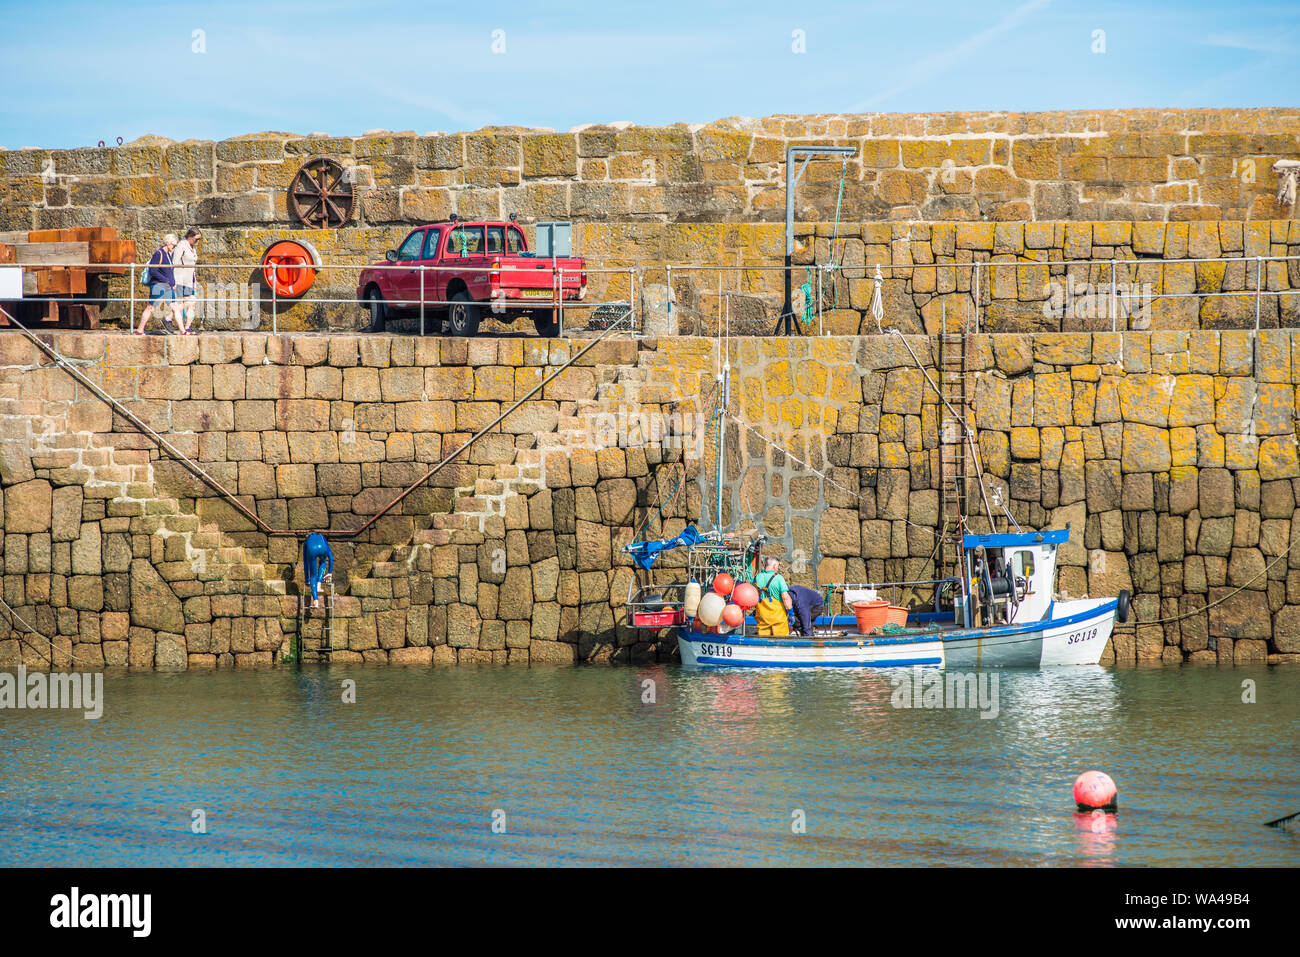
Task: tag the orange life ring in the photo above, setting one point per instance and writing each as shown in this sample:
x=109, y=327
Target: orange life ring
x=289, y=267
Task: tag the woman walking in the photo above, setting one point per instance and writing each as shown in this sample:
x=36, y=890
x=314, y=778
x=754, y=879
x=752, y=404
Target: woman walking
x=160, y=282
x=186, y=257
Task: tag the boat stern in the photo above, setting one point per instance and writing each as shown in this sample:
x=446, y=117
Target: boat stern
x=1080, y=639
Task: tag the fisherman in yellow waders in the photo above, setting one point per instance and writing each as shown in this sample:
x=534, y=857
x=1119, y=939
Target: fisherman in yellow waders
x=773, y=600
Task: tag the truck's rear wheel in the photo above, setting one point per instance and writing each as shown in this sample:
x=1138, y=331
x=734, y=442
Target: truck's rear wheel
x=546, y=324
x=378, y=311
x=463, y=315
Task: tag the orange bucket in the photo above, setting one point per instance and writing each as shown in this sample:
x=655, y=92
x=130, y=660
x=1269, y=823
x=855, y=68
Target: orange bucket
x=896, y=615
x=870, y=614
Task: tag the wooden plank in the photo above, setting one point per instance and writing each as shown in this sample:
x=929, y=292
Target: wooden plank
x=43, y=236
x=115, y=252
x=61, y=282
x=6, y=253
x=92, y=234
x=52, y=254
x=14, y=236
x=105, y=251
x=29, y=282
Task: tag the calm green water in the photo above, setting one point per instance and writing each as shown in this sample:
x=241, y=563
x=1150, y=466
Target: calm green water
x=586, y=773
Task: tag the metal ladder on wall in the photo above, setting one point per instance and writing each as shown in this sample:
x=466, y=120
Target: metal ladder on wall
x=324, y=642
x=954, y=453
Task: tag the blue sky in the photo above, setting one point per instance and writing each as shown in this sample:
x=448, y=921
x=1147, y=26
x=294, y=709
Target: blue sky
x=77, y=72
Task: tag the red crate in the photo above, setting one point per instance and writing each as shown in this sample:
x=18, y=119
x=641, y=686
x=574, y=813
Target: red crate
x=659, y=619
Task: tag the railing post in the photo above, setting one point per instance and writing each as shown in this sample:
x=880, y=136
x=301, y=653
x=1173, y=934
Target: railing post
x=559, y=287
x=631, y=296
x=275, y=303
x=976, y=284
x=131, y=315
x=1113, y=302
x=669, y=283
x=1259, y=288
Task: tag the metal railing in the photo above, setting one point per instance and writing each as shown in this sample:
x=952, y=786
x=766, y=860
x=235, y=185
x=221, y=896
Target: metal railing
x=711, y=299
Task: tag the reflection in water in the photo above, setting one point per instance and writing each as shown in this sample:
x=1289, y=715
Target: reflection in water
x=706, y=770
x=1095, y=832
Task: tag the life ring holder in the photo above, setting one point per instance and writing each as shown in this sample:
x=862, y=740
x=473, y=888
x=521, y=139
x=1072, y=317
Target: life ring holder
x=289, y=267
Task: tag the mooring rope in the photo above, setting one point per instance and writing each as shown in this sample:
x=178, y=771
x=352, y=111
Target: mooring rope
x=1222, y=598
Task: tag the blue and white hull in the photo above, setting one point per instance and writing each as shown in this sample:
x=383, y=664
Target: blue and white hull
x=1075, y=633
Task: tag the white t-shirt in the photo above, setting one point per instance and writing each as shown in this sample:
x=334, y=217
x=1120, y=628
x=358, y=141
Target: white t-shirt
x=184, y=256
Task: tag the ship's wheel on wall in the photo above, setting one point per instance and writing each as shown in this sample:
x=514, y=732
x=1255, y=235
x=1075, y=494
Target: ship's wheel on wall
x=321, y=195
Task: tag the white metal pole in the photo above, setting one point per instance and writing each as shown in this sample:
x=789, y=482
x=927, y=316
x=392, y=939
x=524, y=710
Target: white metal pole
x=131, y=317
x=1114, y=304
x=1259, y=287
x=669, y=274
x=421, y=300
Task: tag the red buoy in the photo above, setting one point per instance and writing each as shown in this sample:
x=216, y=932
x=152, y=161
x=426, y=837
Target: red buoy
x=1095, y=790
x=746, y=596
x=723, y=584
x=733, y=615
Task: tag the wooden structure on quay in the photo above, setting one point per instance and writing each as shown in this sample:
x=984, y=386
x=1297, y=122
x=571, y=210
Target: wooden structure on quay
x=65, y=273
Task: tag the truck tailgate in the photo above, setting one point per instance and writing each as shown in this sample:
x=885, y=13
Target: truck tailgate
x=525, y=272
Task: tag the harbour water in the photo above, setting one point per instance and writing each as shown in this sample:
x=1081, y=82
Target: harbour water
x=574, y=766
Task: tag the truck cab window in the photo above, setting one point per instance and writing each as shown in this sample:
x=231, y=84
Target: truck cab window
x=431, y=245
x=514, y=241
x=496, y=241
x=466, y=240
x=410, y=248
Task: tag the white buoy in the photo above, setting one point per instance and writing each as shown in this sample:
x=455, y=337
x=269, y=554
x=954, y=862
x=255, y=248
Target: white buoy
x=711, y=606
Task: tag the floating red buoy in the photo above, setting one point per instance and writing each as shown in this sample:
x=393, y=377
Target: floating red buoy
x=746, y=596
x=723, y=584
x=1095, y=790
x=289, y=267
x=733, y=615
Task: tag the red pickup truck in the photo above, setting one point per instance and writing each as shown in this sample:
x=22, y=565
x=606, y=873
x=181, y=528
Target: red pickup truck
x=470, y=266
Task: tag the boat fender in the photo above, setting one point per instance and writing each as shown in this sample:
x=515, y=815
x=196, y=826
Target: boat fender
x=1121, y=607
x=692, y=598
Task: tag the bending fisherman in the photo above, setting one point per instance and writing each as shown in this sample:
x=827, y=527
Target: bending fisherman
x=808, y=604
x=315, y=554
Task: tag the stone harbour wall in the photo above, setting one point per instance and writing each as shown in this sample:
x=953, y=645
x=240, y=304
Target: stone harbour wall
x=1171, y=454
x=708, y=194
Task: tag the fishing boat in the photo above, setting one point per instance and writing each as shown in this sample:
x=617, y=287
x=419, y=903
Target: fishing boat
x=1003, y=612
x=996, y=607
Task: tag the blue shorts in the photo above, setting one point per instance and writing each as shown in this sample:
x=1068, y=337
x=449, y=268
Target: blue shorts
x=184, y=292
x=161, y=292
